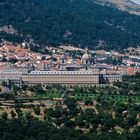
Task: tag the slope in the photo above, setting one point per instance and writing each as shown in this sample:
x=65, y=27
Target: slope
x=77, y=22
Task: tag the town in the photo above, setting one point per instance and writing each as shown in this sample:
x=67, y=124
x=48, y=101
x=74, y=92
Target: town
x=67, y=65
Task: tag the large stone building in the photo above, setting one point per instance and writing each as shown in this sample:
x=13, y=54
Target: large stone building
x=90, y=77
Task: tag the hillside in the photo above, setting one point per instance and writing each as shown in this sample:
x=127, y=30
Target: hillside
x=77, y=22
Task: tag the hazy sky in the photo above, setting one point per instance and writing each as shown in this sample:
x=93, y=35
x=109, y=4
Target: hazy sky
x=136, y=1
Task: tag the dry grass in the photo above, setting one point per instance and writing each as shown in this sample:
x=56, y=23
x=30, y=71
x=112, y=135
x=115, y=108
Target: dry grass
x=124, y=5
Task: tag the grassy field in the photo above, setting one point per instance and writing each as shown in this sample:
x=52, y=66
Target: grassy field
x=55, y=94
x=119, y=98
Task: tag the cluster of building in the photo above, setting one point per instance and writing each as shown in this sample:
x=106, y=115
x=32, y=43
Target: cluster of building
x=85, y=74
x=19, y=65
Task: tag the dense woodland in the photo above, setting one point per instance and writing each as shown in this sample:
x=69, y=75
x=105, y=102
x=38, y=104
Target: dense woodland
x=72, y=123
x=78, y=22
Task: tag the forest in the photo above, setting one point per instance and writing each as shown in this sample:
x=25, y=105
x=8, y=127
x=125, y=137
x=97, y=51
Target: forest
x=72, y=123
x=82, y=23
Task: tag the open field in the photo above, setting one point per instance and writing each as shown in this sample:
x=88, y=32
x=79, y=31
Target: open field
x=117, y=98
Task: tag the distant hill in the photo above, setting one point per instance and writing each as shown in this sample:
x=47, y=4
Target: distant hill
x=124, y=5
x=83, y=23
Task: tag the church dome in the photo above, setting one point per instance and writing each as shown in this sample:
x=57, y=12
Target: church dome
x=86, y=56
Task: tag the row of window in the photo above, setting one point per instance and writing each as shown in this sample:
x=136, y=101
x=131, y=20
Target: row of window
x=62, y=72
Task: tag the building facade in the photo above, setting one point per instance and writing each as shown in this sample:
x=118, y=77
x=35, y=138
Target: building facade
x=80, y=77
x=61, y=77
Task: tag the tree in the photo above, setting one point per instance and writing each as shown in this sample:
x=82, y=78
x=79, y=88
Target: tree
x=37, y=110
x=13, y=114
x=4, y=116
x=69, y=124
x=4, y=59
x=88, y=102
x=19, y=112
x=70, y=103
